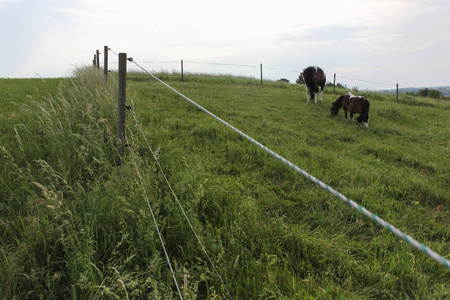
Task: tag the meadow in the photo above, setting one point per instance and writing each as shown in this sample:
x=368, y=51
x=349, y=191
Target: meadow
x=75, y=225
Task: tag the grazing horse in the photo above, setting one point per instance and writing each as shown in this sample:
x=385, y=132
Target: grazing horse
x=314, y=78
x=352, y=104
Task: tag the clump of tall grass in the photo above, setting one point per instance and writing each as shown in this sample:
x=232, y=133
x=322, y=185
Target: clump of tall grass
x=73, y=224
x=67, y=227
x=64, y=143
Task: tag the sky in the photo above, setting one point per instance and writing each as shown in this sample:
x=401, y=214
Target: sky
x=367, y=44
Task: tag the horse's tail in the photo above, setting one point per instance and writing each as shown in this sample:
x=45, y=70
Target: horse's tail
x=364, y=117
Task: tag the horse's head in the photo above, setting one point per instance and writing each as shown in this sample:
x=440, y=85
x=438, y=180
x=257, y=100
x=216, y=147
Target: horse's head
x=335, y=106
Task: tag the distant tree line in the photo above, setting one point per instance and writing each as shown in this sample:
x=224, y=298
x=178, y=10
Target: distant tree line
x=435, y=94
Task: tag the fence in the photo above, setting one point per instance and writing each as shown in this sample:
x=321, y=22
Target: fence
x=257, y=71
x=122, y=139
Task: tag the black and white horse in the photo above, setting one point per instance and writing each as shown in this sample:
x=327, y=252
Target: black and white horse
x=314, y=78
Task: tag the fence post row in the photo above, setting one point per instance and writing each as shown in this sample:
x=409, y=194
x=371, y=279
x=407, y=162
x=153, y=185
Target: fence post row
x=106, y=50
x=121, y=108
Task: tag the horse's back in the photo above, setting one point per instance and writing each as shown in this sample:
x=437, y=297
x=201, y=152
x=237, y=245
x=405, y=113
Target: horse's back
x=354, y=104
x=314, y=75
x=309, y=73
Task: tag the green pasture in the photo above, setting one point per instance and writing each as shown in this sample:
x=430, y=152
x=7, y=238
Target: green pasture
x=74, y=225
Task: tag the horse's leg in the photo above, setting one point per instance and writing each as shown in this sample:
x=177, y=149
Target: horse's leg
x=345, y=111
x=351, y=116
x=321, y=96
x=307, y=94
x=315, y=98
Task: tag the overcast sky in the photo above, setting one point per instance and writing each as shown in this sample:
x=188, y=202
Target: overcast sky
x=379, y=43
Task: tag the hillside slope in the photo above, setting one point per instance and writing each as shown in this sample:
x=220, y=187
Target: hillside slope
x=75, y=225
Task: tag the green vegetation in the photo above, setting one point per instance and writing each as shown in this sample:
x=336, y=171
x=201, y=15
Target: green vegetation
x=73, y=225
x=436, y=94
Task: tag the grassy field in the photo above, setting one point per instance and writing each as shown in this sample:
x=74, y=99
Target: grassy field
x=74, y=225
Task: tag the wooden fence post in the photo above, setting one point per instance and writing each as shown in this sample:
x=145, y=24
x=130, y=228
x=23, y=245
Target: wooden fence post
x=397, y=91
x=260, y=67
x=105, y=63
x=94, y=62
x=121, y=99
x=182, y=71
x=97, y=59
x=334, y=82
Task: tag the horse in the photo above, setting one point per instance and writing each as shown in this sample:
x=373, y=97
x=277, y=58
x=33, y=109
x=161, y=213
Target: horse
x=314, y=78
x=352, y=104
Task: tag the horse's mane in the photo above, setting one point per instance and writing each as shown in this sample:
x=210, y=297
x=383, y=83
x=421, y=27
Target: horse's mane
x=339, y=101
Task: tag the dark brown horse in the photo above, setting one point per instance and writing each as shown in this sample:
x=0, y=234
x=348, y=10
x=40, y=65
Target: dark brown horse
x=314, y=78
x=352, y=104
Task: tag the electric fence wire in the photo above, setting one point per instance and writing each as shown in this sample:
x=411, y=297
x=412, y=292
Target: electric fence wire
x=181, y=207
x=284, y=70
x=221, y=64
x=154, y=220
x=362, y=80
x=161, y=62
x=275, y=69
x=245, y=66
x=267, y=68
x=113, y=51
x=414, y=243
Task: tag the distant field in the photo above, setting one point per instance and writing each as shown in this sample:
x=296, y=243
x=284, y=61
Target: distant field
x=23, y=90
x=15, y=93
x=73, y=225
x=445, y=90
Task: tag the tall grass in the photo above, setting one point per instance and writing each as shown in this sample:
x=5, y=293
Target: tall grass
x=73, y=225
x=68, y=225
